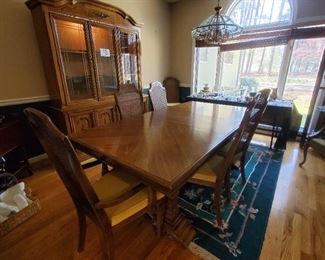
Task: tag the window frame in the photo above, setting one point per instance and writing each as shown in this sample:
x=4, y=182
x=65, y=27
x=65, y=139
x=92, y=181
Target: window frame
x=264, y=36
x=289, y=40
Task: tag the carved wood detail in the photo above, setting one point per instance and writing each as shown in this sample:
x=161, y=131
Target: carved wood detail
x=81, y=121
x=104, y=116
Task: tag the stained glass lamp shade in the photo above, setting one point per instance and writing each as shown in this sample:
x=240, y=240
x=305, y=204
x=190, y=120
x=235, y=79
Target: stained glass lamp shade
x=217, y=29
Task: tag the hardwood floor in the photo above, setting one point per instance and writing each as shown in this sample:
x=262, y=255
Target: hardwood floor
x=296, y=228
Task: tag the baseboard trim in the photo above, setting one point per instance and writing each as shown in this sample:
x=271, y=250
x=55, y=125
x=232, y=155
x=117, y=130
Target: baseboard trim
x=185, y=85
x=19, y=101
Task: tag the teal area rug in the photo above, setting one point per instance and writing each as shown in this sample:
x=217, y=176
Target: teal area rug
x=246, y=216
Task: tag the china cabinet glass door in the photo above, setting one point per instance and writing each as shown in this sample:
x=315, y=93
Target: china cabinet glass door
x=105, y=59
x=75, y=59
x=129, y=58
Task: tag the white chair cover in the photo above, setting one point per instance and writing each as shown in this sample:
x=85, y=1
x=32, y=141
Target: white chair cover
x=158, y=95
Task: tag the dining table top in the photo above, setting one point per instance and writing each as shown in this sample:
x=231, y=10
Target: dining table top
x=164, y=147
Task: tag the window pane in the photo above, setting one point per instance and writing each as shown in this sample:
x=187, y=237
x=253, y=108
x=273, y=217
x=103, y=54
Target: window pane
x=205, y=68
x=303, y=70
x=245, y=71
x=255, y=13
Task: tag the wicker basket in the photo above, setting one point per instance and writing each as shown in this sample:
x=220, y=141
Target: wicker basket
x=17, y=218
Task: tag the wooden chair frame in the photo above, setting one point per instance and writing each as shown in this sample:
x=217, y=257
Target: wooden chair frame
x=223, y=172
x=260, y=101
x=62, y=154
x=308, y=142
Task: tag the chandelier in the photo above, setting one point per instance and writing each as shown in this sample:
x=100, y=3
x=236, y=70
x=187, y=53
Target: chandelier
x=217, y=28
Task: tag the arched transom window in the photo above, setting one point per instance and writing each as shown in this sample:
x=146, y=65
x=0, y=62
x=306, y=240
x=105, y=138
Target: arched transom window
x=261, y=13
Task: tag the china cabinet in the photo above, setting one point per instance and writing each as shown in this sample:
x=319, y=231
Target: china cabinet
x=88, y=48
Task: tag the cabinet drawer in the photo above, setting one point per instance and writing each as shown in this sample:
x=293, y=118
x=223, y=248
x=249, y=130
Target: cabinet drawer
x=81, y=121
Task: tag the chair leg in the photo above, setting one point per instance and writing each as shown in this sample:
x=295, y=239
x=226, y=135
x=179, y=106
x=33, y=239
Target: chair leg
x=272, y=135
x=242, y=167
x=107, y=241
x=82, y=230
x=306, y=146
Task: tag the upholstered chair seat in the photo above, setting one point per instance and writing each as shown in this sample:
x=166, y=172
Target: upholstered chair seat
x=115, y=184
x=207, y=172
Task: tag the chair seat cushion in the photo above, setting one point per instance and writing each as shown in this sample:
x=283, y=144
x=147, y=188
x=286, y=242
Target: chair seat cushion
x=318, y=144
x=208, y=172
x=116, y=183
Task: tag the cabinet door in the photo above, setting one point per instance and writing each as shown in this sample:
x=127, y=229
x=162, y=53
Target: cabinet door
x=130, y=63
x=75, y=59
x=105, y=59
x=104, y=116
x=81, y=121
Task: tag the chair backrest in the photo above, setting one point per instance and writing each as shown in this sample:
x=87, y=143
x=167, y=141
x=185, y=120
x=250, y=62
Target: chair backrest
x=158, y=95
x=129, y=101
x=171, y=85
x=62, y=154
x=263, y=99
x=242, y=132
x=259, y=102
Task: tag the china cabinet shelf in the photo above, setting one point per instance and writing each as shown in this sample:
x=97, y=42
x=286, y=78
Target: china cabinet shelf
x=73, y=51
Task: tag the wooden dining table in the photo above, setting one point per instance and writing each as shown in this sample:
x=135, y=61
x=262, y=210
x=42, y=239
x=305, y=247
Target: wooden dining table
x=164, y=148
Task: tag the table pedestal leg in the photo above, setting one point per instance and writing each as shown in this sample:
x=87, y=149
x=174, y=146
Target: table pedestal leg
x=176, y=224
